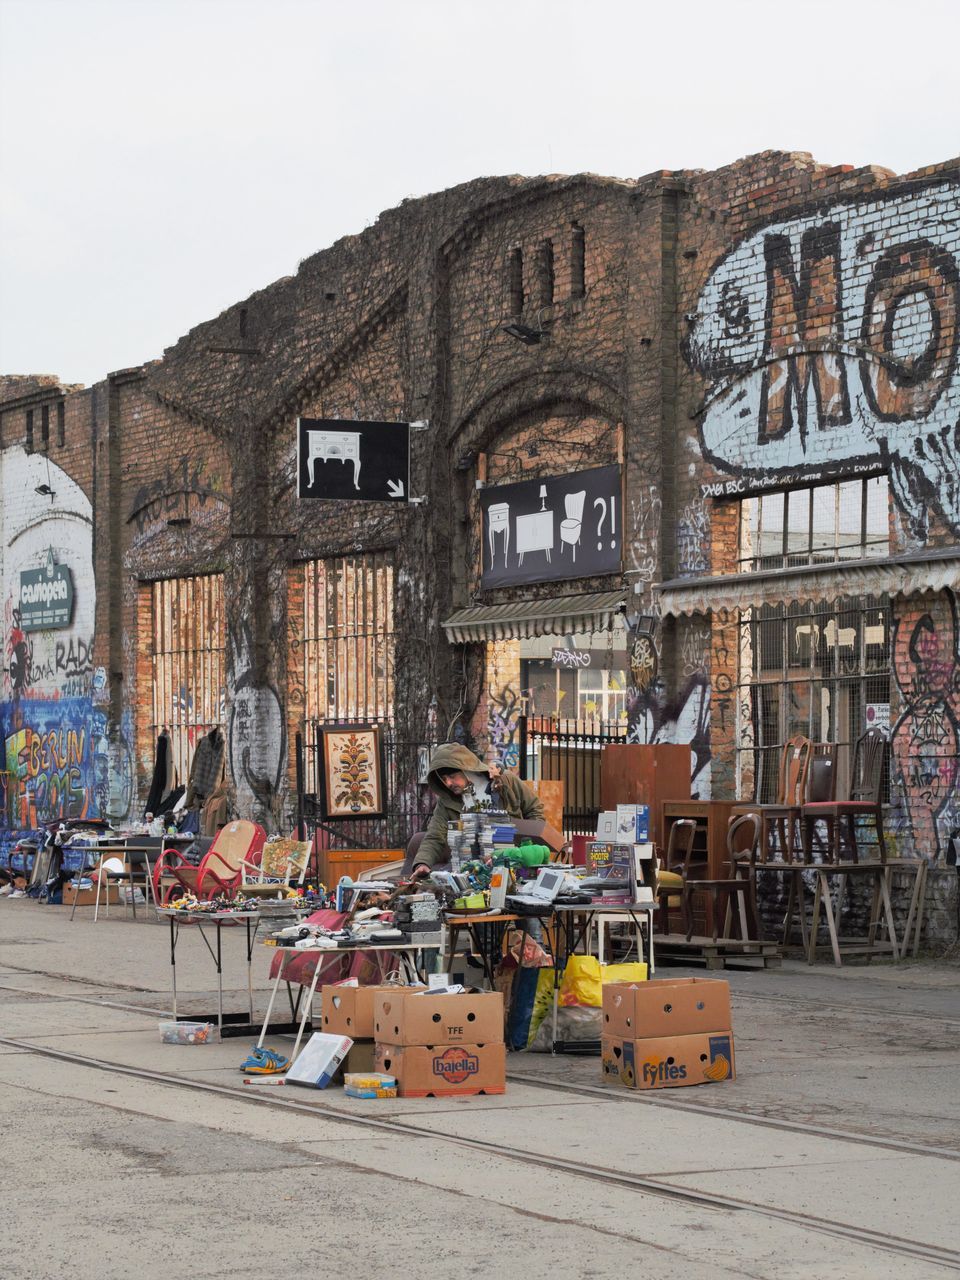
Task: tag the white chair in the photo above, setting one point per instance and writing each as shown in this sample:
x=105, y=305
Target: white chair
x=570, y=528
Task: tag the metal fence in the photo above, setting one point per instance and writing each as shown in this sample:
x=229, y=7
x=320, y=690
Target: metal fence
x=407, y=802
x=569, y=751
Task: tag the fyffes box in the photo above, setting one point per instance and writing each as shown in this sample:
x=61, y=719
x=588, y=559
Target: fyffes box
x=668, y=1063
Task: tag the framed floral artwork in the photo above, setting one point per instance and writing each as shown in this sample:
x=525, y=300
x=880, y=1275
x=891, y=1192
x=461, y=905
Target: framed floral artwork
x=351, y=783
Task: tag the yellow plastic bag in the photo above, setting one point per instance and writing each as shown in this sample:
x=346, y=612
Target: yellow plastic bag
x=581, y=982
x=632, y=972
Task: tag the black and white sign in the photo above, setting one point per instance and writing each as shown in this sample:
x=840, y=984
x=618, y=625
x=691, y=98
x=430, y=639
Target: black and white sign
x=552, y=527
x=356, y=461
x=46, y=597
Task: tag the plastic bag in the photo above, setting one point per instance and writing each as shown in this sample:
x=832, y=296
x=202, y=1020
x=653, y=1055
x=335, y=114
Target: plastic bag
x=574, y=1024
x=581, y=982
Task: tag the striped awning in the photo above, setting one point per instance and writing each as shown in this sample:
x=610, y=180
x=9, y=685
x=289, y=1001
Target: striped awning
x=525, y=619
x=913, y=574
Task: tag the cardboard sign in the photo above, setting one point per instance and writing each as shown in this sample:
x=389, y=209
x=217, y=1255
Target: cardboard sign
x=667, y=1063
x=666, y=1007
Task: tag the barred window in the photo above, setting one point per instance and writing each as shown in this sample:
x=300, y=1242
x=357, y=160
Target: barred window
x=187, y=658
x=821, y=524
x=348, y=641
x=819, y=669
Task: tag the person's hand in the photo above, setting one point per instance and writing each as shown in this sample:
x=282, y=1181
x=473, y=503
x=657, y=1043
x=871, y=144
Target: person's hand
x=420, y=870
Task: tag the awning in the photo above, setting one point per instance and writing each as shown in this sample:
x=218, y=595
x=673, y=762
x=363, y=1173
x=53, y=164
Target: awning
x=906, y=575
x=523, y=619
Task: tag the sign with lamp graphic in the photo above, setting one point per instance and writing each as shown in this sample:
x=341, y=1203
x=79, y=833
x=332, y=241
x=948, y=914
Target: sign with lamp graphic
x=552, y=527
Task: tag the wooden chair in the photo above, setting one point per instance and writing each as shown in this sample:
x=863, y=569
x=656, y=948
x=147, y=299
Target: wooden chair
x=743, y=838
x=783, y=815
x=220, y=869
x=280, y=863
x=863, y=801
x=678, y=864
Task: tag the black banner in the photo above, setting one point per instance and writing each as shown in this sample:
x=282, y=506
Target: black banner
x=551, y=528
x=353, y=461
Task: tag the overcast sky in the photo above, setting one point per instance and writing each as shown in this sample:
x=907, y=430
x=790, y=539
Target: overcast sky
x=161, y=159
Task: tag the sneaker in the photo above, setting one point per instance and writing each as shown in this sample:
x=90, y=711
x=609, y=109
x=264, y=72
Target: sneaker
x=264, y=1062
x=5, y=890
x=17, y=893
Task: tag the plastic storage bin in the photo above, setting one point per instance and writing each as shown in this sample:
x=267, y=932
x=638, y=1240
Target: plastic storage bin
x=188, y=1032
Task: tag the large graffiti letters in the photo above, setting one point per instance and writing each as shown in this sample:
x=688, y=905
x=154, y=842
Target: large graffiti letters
x=171, y=494
x=830, y=342
x=49, y=764
x=502, y=726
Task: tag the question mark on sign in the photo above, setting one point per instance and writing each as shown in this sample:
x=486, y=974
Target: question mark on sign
x=602, y=504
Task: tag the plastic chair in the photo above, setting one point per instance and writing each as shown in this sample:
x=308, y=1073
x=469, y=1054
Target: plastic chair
x=220, y=869
x=570, y=528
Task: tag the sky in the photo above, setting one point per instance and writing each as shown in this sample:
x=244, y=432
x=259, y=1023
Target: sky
x=163, y=159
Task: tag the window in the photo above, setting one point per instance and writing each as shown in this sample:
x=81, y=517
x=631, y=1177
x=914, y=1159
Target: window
x=188, y=630
x=45, y=427
x=61, y=424
x=817, y=525
x=348, y=641
x=811, y=669
x=601, y=695
x=29, y=445
x=515, y=282
x=578, y=262
x=545, y=273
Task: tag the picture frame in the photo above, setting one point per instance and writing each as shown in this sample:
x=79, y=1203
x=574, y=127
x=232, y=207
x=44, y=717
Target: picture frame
x=351, y=771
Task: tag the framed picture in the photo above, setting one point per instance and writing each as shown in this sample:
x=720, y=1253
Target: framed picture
x=351, y=771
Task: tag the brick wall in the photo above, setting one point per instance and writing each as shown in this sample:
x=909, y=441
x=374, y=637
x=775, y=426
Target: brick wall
x=719, y=333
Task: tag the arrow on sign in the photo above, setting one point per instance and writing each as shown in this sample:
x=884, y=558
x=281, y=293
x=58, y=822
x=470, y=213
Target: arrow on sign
x=395, y=488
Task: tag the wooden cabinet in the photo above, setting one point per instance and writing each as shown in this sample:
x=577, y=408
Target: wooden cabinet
x=633, y=773
x=711, y=817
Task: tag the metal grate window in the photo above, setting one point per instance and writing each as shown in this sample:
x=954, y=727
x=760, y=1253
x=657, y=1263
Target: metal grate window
x=819, y=669
x=188, y=658
x=348, y=641
x=819, y=525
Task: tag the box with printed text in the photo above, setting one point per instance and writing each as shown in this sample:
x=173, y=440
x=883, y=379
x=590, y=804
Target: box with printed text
x=669, y=1062
x=443, y=1070
x=428, y=1019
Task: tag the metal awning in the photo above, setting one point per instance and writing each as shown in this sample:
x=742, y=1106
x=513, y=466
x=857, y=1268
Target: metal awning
x=524, y=619
x=906, y=575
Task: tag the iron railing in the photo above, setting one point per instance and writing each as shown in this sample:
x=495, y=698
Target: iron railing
x=569, y=751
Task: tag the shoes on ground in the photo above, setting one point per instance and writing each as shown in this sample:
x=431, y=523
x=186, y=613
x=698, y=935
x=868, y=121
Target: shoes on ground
x=264, y=1062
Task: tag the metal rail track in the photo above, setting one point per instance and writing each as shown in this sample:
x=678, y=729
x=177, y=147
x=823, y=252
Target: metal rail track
x=897, y=1246
x=659, y=1098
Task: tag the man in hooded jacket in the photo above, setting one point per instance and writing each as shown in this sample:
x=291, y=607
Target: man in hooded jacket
x=447, y=779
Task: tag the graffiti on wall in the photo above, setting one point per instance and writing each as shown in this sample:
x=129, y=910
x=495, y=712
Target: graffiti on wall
x=654, y=717
x=830, y=341
x=176, y=494
x=503, y=725
x=257, y=732
x=49, y=759
x=925, y=742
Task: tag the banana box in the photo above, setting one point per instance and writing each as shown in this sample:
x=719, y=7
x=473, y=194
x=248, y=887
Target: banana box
x=668, y=1063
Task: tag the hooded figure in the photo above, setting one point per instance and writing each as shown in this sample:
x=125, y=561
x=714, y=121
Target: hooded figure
x=446, y=779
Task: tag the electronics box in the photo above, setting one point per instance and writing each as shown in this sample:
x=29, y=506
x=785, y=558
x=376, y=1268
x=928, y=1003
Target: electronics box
x=318, y=1060
x=666, y=1007
x=438, y=1019
x=670, y=1062
x=444, y=1070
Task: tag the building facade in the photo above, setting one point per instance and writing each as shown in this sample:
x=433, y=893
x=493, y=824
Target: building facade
x=686, y=455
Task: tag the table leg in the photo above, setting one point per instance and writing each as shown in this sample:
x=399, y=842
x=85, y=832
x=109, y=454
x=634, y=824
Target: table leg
x=250, y=938
x=173, y=963
x=273, y=995
x=219, y=982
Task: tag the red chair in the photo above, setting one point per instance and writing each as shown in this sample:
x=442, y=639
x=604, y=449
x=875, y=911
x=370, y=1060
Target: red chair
x=220, y=869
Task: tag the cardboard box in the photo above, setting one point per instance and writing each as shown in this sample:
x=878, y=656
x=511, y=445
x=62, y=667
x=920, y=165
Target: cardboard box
x=437, y=1019
x=348, y=1011
x=360, y=1058
x=666, y=1007
x=670, y=1062
x=444, y=1070
x=88, y=897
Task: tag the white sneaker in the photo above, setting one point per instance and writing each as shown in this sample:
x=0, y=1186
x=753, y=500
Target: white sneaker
x=5, y=890
x=18, y=893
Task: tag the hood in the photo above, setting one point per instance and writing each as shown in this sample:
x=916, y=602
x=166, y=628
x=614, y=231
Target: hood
x=452, y=756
